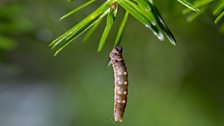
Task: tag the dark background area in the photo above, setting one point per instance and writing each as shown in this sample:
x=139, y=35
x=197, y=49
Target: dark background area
x=179, y=85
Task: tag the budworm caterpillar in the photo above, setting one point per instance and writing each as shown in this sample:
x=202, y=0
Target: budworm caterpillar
x=121, y=83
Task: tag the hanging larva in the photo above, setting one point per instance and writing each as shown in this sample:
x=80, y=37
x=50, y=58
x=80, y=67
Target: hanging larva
x=121, y=83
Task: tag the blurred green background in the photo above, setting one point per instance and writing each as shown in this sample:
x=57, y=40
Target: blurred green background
x=169, y=86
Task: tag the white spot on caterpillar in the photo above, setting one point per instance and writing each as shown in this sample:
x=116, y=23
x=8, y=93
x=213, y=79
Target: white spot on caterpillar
x=118, y=88
x=123, y=101
x=125, y=82
x=119, y=92
x=119, y=73
x=118, y=101
x=125, y=73
x=125, y=92
x=119, y=82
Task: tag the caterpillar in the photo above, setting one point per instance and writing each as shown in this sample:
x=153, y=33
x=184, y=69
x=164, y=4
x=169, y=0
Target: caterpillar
x=121, y=83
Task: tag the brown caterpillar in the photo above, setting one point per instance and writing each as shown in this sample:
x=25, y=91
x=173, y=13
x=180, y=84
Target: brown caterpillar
x=121, y=83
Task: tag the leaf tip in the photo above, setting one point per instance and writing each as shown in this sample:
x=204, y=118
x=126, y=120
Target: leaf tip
x=99, y=50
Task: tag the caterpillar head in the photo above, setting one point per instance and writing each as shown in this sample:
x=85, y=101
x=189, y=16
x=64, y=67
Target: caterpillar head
x=116, y=54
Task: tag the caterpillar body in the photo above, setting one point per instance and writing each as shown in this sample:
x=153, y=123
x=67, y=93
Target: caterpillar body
x=121, y=83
